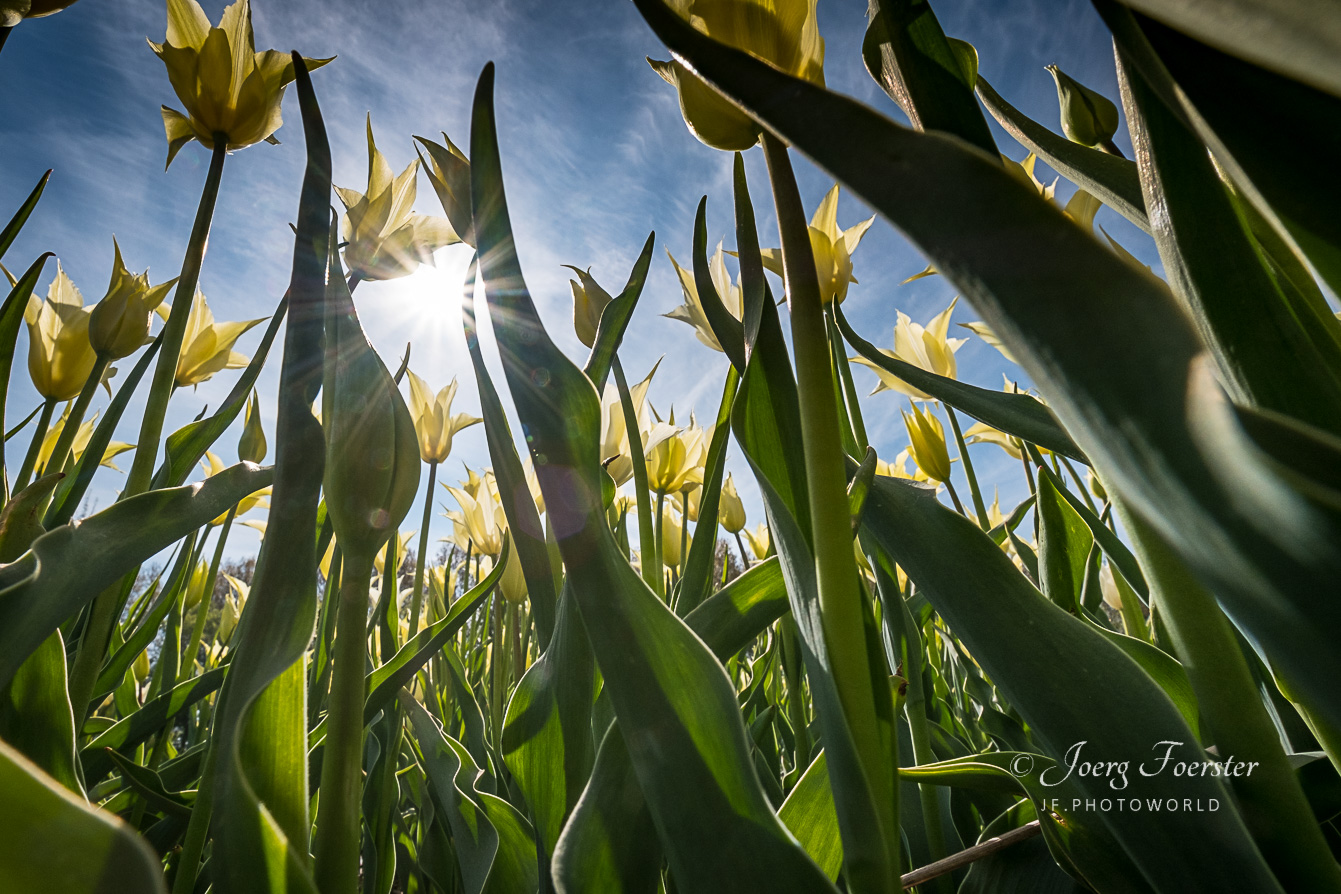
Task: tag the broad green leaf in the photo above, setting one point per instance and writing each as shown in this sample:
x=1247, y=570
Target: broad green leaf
x=51, y=840
x=610, y=332
x=1016, y=414
x=696, y=582
x=1063, y=548
x=67, y=567
x=1262, y=344
x=1075, y=323
x=262, y=826
x=146, y=783
x=809, y=814
x=907, y=53
x=36, y=717
x=1110, y=179
x=728, y=331
x=11, y=317
x=730, y=619
x=11, y=230
x=675, y=706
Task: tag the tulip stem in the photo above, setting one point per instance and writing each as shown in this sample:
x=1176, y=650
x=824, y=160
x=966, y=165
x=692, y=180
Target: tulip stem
x=978, y=505
x=744, y=557
x=1273, y=804
x=840, y=591
x=658, y=547
x=75, y=417
x=647, y=545
x=165, y=372
x=849, y=388
x=35, y=445
x=422, y=563
x=337, y=836
x=206, y=599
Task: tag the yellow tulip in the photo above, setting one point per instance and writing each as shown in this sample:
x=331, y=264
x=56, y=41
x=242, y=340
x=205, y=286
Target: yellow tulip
x=403, y=541
x=898, y=468
x=384, y=238
x=60, y=357
x=995, y=517
x=691, y=311
x=119, y=323
x=213, y=466
x=448, y=171
x=927, y=443
x=589, y=302
x=513, y=583
x=759, y=540
x=927, y=347
x=533, y=484
x=207, y=346
x=983, y=331
x=231, y=92
x=14, y=11
x=615, y=448
x=1081, y=208
x=783, y=33
x=1024, y=172
x=982, y=433
x=433, y=420
x=831, y=246
x=675, y=457
x=480, y=523
x=731, y=511
x=1108, y=587
x=671, y=531
x=82, y=436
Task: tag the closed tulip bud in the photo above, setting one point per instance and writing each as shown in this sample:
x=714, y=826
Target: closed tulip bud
x=195, y=587
x=731, y=511
x=1088, y=118
x=1096, y=486
x=227, y=621
x=384, y=238
x=449, y=173
x=60, y=357
x=589, y=301
x=119, y=323
x=831, y=247
x=251, y=446
x=372, y=453
x=434, y=423
x=671, y=528
x=927, y=443
x=784, y=34
x=230, y=91
x=513, y=583
x=14, y=11
x=140, y=666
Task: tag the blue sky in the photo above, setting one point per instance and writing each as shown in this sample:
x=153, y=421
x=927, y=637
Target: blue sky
x=594, y=151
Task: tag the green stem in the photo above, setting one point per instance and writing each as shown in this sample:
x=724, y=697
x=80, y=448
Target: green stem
x=1080, y=485
x=744, y=556
x=76, y=416
x=206, y=599
x=915, y=708
x=1270, y=798
x=165, y=373
x=22, y=425
x=658, y=544
x=978, y=505
x=796, y=707
x=849, y=387
x=198, y=827
x=35, y=445
x=646, y=539
x=422, y=562
x=337, y=836
x=840, y=592
x=684, y=530
x=498, y=666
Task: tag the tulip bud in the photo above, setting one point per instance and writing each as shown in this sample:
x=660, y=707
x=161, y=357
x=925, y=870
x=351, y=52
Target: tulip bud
x=227, y=621
x=251, y=446
x=372, y=454
x=1109, y=588
x=1096, y=486
x=195, y=587
x=119, y=324
x=513, y=583
x=927, y=443
x=140, y=666
x=731, y=511
x=589, y=301
x=1088, y=118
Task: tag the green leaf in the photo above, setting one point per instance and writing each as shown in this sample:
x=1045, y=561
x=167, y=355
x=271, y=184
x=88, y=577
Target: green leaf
x=696, y=583
x=1063, y=548
x=730, y=619
x=809, y=814
x=728, y=331
x=11, y=230
x=67, y=567
x=11, y=316
x=36, y=717
x=676, y=708
x=907, y=53
x=1015, y=414
x=1119, y=362
x=260, y=724
x=1110, y=179
x=610, y=331
x=50, y=840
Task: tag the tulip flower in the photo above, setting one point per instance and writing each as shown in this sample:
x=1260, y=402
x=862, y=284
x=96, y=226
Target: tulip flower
x=60, y=357
x=207, y=346
x=448, y=171
x=898, y=468
x=1088, y=118
x=675, y=457
x=927, y=347
x=119, y=323
x=14, y=11
x=403, y=539
x=983, y=331
x=1024, y=172
x=213, y=466
x=513, y=582
x=384, y=238
x=251, y=446
x=831, y=246
x=672, y=529
x=480, y=523
x=927, y=443
x=81, y=438
x=691, y=311
x=759, y=540
x=1082, y=207
x=784, y=34
x=982, y=433
x=589, y=301
x=731, y=511
x=231, y=92
x=615, y=448
x=434, y=422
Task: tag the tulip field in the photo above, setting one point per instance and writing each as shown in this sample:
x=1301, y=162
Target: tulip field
x=626, y=669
